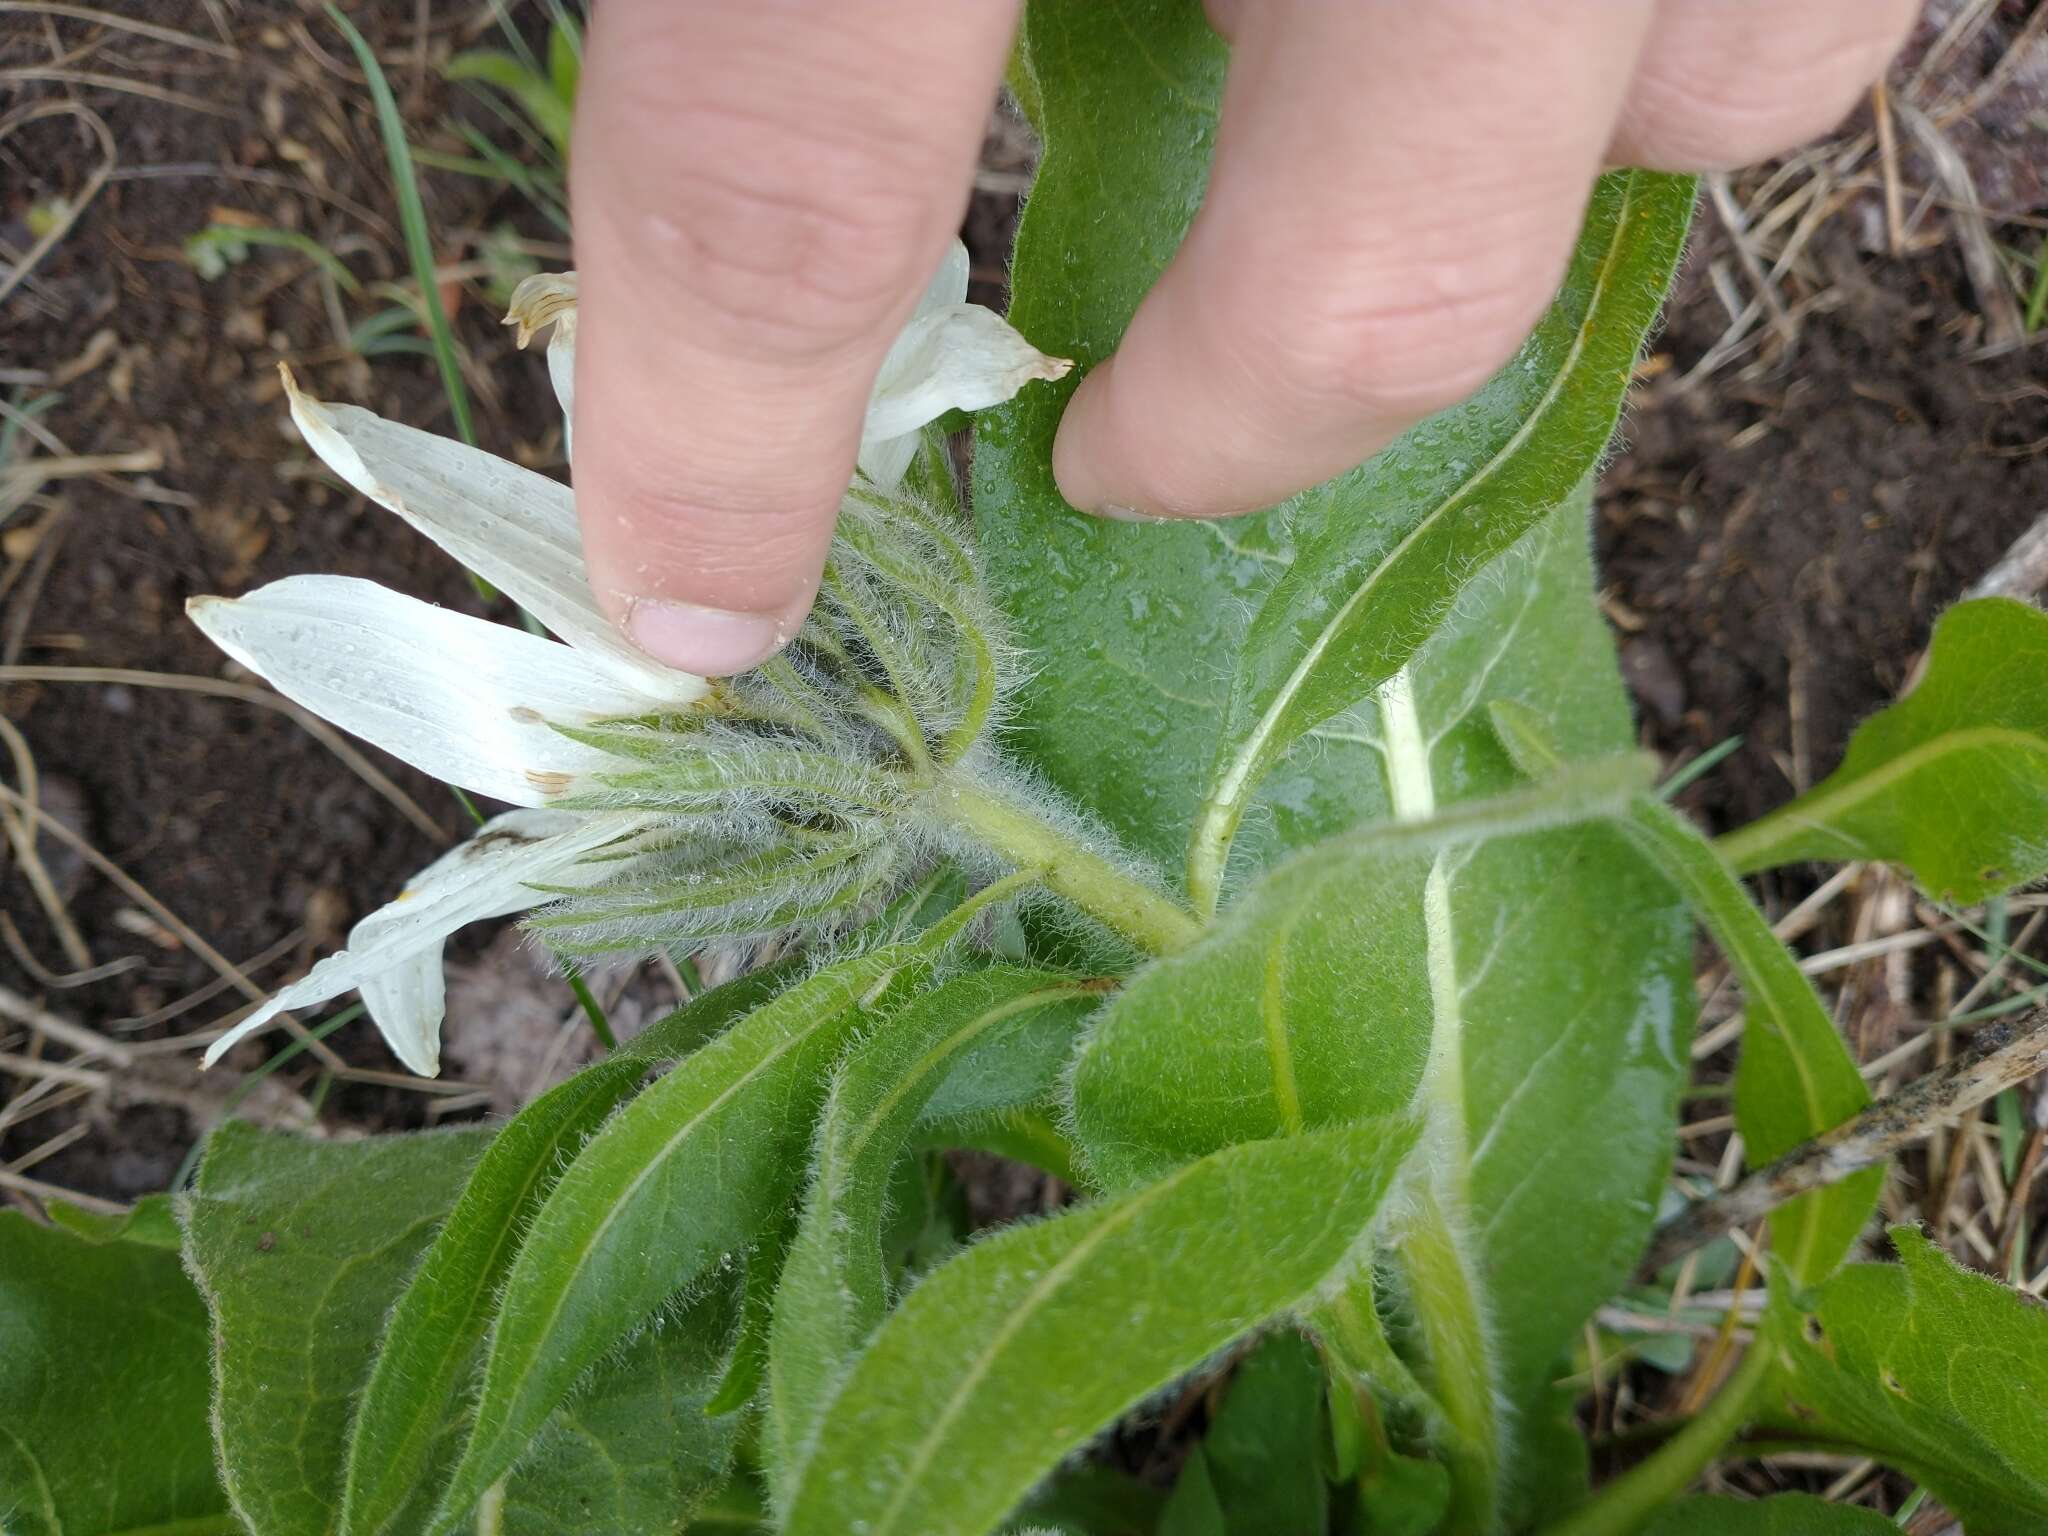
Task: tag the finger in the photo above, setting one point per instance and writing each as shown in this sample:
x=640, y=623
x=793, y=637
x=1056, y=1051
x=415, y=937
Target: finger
x=762, y=188
x=1394, y=198
x=1737, y=81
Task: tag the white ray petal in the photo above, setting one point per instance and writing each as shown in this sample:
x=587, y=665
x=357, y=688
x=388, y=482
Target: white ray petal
x=949, y=284
x=407, y=1004
x=950, y=357
x=491, y=875
x=515, y=528
x=459, y=698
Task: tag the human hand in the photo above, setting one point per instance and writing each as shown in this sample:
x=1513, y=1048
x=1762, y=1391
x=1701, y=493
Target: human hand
x=763, y=187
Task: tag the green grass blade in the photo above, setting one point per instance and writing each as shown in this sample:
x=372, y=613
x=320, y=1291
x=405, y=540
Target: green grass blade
x=412, y=217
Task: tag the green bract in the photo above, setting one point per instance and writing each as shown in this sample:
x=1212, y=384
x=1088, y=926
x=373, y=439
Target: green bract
x=1288, y=890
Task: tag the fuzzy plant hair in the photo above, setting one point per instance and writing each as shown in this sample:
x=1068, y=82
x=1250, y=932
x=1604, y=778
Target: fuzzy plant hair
x=799, y=798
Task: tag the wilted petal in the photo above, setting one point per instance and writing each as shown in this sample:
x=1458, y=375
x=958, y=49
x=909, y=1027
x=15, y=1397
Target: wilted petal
x=514, y=528
x=544, y=299
x=389, y=951
x=950, y=357
x=462, y=699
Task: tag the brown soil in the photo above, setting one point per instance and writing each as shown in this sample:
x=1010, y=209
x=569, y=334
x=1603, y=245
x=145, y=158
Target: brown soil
x=1776, y=550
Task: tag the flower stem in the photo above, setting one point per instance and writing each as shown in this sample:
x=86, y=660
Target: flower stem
x=599, y=1024
x=1627, y=1503
x=1146, y=917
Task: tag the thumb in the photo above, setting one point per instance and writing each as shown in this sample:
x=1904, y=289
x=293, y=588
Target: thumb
x=761, y=190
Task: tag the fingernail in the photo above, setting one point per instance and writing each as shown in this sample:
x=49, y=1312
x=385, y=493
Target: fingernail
x=712, y=642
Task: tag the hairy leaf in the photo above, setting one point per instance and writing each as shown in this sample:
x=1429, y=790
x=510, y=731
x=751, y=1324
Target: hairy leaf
x=1785, y=1514
x=1951, y=781
x=1934, y=1369
x=1131, y=629
x=103, y=1385
x=1136, y=627
x=688, y=1174
x=1311, y=998
x=634, y=1450
x=1796, y=1078
x=300, y=1247
x=1549, y=976
x=435, y=1331
x=835, y=1283
x=996, y=1367
x=1402, y=536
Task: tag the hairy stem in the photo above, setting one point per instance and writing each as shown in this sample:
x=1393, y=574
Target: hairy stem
x=1120, y=902
x=1447, y=1308
x=1627, y=1503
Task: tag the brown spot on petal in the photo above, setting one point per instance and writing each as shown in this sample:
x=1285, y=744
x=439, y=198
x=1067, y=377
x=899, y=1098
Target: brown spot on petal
x=548, y=783
x=525, y=716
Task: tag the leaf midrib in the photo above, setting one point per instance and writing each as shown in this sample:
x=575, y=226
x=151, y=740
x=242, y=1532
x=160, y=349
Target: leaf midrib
x=1232, y=786
x=1755, y=846
x=928, y=1447
x=569, y=1274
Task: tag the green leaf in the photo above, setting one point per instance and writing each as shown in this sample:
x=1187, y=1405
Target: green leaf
x=302, y=1246
x=1403, y=535
x=565, y=62
x=1130, y=629
x=835, y=1283
x=1132, y=626
x=299, y=1247
x=1552, y=978
x=151, y=1221
x=1403, y=1496
x=996, y=1367
x=435, y=1331
x=1314, y=991
x=1785, y=1514
x=1193, y=1508
x=539, y=95
x=634, y=1450
x=1086, y=1498
x=1951, y=781
x=1934, y=1369
x=1796, y=1078
x=1263, y=1449
x=103, y=1386
x=687, y=1174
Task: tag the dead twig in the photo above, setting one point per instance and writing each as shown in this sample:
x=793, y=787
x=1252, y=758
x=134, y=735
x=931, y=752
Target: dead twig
x=85, y=1041
x=115, y=23
x=2003, y=1054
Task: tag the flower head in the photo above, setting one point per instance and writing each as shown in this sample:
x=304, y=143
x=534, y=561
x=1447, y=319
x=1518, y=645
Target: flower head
x=652, y=804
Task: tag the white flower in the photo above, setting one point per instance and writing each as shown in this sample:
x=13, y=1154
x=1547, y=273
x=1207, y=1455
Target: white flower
x=478, y=704
x=952, y=356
